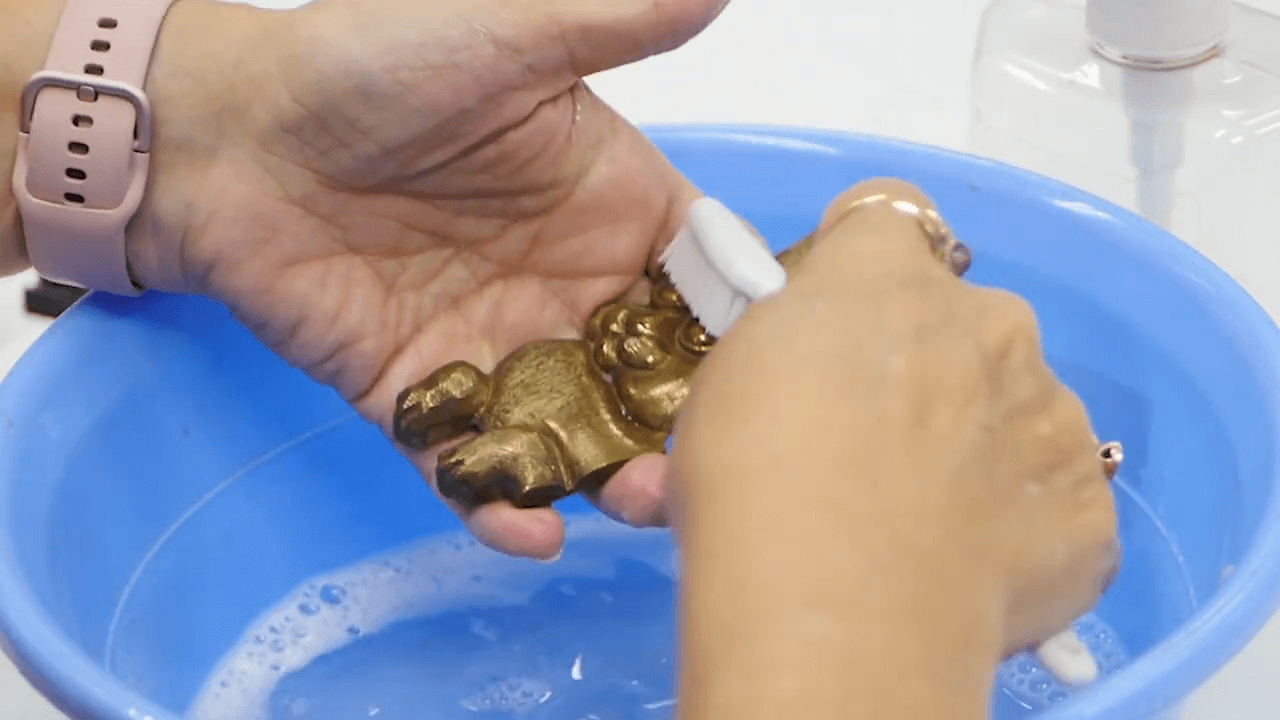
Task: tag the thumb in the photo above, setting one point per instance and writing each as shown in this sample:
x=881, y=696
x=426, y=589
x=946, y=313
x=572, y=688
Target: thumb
x=894, y=223
x=604, y=34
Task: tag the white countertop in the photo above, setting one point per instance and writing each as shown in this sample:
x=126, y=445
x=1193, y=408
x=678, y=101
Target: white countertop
x=897, y=68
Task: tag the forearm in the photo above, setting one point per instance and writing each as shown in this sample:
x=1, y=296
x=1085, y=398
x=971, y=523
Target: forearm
x=791, y=606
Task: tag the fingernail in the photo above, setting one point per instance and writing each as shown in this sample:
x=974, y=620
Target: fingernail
x=551, y=560
x=646, y=520
x=639, y=520
x=486, y=357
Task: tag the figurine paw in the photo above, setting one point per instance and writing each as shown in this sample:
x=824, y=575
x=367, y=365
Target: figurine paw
x=524, y=467
x=441, y=407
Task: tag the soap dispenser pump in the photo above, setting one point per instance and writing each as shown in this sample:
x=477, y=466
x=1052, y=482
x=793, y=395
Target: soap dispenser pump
x=1170, y=108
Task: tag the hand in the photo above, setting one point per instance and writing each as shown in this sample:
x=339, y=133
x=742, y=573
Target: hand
x=875, y=469
x=378, y=187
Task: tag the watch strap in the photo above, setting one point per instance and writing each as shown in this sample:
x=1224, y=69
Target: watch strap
x=84, y=140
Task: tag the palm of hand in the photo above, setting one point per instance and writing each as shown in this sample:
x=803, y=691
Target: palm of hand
x=369, y=247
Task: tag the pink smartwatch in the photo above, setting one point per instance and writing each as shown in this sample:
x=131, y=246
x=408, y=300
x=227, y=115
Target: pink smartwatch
x=84, y=134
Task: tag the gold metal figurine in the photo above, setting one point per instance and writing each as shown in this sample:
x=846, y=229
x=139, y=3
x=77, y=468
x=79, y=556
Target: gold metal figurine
x=561, y=416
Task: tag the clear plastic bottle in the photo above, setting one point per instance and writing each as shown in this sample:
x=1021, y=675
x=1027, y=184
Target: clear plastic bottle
x=1167, y=107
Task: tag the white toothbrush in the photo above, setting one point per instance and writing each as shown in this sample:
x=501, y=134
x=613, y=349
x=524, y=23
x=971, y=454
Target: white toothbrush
x=719, y=266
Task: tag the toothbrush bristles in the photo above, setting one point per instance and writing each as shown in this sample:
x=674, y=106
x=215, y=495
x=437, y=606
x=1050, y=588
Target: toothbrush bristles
x=709, y=298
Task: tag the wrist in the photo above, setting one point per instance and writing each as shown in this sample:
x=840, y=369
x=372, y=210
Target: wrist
x=776, y=618
x=209, y=75
x=835, y=596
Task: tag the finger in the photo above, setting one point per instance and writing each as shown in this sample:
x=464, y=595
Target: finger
x=1034, y=402
x=884, y=229
x=1009, y=337
x=1072, y=437
x=871, y=191
x=634, y=495
x=536, y=533
x=604, y=34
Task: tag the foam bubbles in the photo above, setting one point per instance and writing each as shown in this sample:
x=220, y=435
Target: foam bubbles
x=590, y=636
x=513, y=695
x=432, y=576
x=331, y=594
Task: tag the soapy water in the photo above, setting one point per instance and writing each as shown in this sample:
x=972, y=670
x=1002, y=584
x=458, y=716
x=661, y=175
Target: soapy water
x=445, y=628
x=1026, y=681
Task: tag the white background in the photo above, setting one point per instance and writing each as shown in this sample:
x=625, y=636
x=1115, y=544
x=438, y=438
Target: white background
x=898, y=68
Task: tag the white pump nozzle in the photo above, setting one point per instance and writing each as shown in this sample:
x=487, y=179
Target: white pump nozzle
x=1156, y=103
x=1156, y=43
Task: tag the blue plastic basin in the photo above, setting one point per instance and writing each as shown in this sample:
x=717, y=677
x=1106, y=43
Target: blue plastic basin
x=164, y=479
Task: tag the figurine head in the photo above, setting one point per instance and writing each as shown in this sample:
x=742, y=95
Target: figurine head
x=649, y=352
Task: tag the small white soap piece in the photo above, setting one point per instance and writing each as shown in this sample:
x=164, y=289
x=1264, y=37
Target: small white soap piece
x=1066, y=656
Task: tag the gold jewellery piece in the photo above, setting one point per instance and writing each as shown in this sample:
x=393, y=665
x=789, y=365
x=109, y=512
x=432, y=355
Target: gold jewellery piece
x=942, y=242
